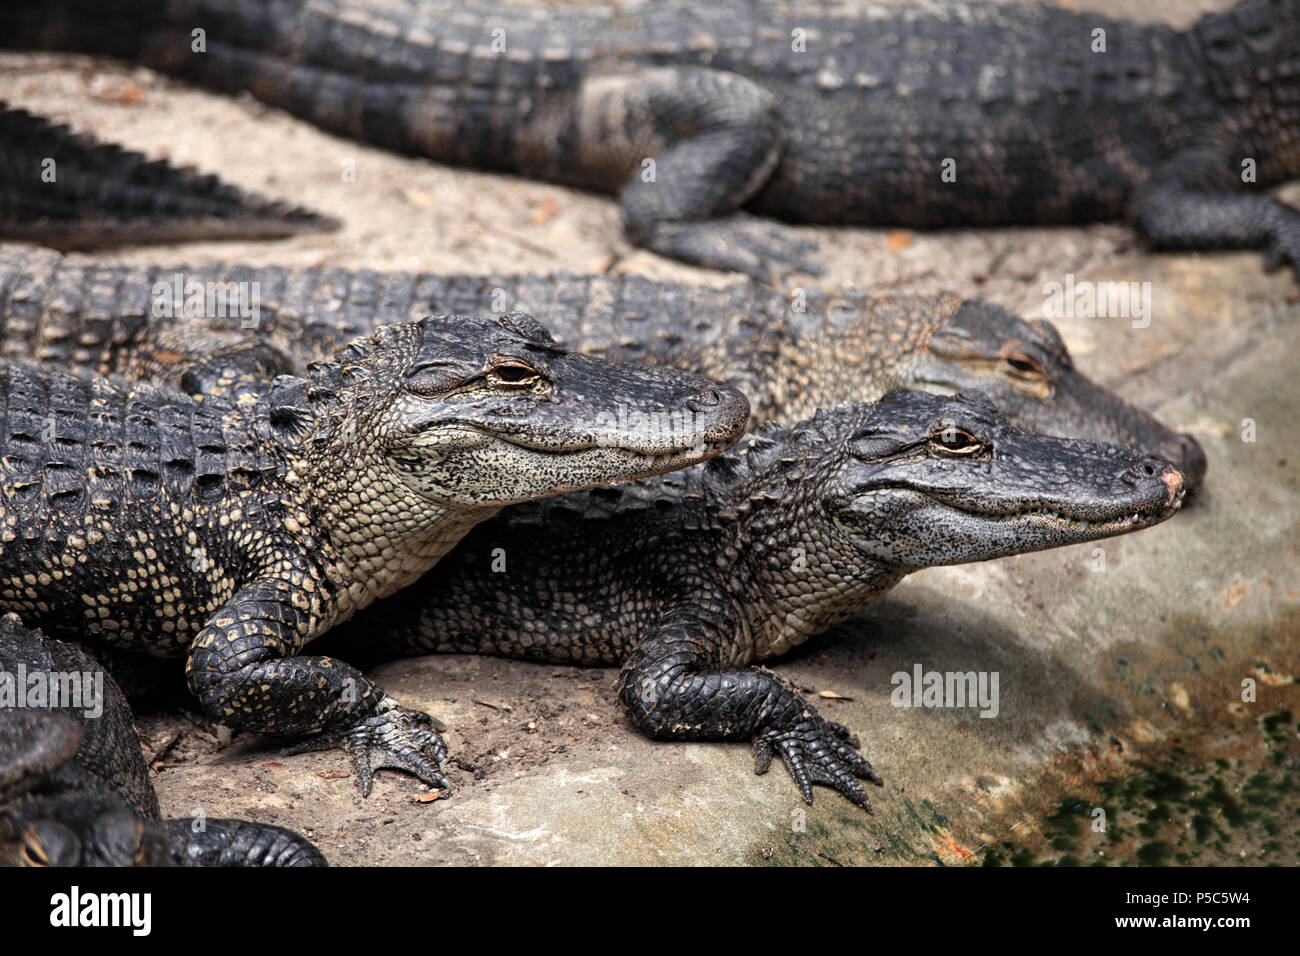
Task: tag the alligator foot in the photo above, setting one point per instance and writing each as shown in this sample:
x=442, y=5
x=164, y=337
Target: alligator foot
x=236, y=371
x=673, y=692
x=1174, y=212
x=816, y=750
x=396, y=737
x=763, y=250
x=401, y=738
x=231, y=843
x=239, y=668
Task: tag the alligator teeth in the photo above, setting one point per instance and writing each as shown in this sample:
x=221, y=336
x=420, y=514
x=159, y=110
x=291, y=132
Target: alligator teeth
x=1077, y=524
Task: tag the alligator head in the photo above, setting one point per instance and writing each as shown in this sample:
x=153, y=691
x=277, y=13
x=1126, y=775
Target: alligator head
x=43, y=823
x=475, y=411
x=1026, y=370
x=930, y=480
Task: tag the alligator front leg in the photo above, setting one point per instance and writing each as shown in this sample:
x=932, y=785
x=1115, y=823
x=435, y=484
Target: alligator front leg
x=236, y=371
x=238, y=843
x=201, y=361
x=245, y=670
x=702, y=142
x=673, y=690
x=1175, y=211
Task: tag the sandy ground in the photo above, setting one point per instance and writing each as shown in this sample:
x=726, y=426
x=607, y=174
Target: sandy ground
x=1105, y=675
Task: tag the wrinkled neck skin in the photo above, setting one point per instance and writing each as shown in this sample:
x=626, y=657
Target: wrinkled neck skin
x=382, y=533
x=807, y=572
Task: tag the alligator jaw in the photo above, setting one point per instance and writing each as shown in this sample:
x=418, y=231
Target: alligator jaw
x=1076, y=528
x=681, y=459
x=619, y=463
x=683, y=451
x=1063, y=520
x=1092, y=527
x=616, y=462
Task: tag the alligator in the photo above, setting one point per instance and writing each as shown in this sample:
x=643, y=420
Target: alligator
x=790, y=357
x=233, y=531
x=699, y=115
x=74, y=787
x=684, y=581
x=69, y=191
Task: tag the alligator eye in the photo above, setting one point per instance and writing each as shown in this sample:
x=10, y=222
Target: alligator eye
x=1023, y=367
x=514, y=375
x=35, y=854
x=954, y=441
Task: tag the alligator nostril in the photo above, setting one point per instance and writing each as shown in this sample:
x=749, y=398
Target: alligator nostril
x=1146, y=469
x=705, y=398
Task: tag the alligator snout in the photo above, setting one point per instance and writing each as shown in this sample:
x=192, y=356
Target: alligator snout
x=1173, y=480
x=723, y=410
x=1185, y=452
x=1150, y=469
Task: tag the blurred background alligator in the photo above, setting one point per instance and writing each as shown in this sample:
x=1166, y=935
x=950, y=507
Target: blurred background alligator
x=955, y=115
x=69, y=191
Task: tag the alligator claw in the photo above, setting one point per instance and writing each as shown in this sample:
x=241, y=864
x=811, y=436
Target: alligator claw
x=816, y=750
x=396, y=737
x=400, y=738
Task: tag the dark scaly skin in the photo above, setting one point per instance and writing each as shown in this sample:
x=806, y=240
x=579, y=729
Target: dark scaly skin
x=803, y=111
x=102, y=195
x=790, y=357
x=685, y=581
x=234, y=532
x=227, y=843
x=75, y=791
x=44, y=821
